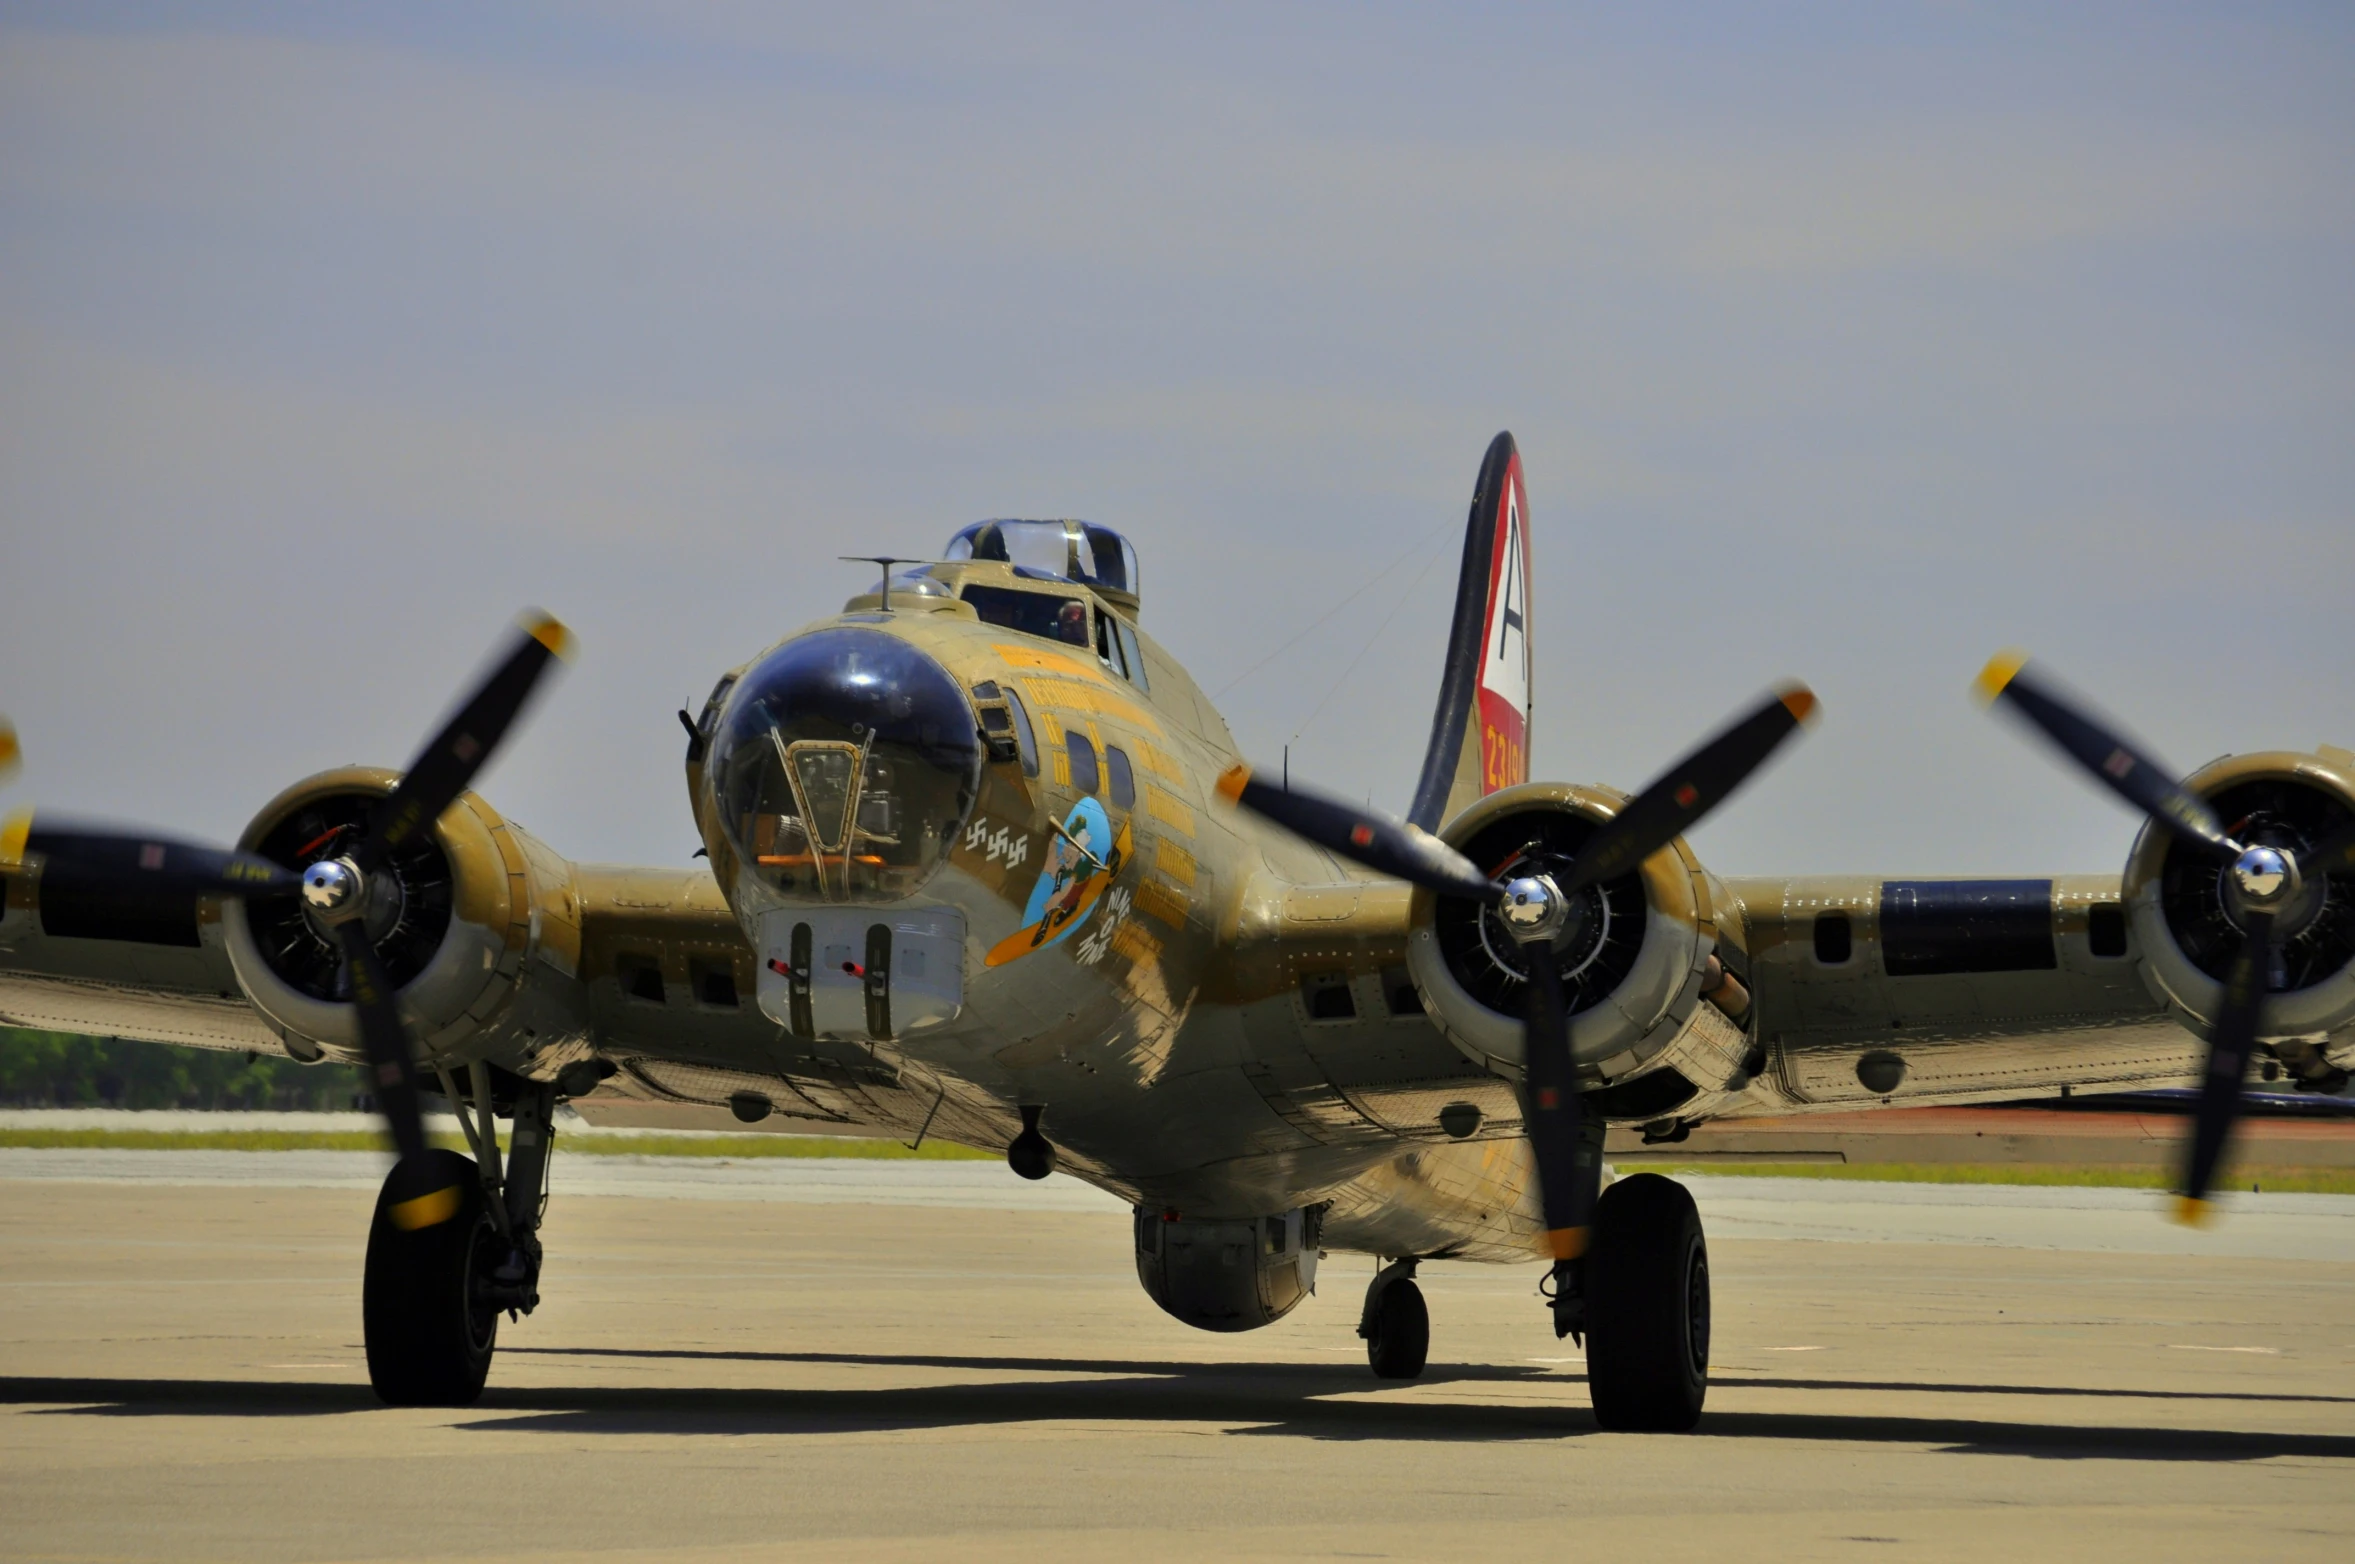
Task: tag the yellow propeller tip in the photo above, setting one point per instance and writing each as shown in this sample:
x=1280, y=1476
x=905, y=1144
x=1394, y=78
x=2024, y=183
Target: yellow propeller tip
x=549, y=631
x=1566, y=1243
x=1231, y=780
x=2192, y=1211
x=10, y=751
x=1801, y=703
x=13, y=831
x=425, y=1211
x=1997, y=676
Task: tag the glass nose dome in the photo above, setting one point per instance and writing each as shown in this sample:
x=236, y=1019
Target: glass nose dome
x=844, y=766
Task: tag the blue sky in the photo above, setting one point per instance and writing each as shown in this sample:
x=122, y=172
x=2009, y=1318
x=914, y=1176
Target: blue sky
x=1841, y=342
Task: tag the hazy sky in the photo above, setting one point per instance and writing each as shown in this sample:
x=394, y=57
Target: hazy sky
x=1849, y=343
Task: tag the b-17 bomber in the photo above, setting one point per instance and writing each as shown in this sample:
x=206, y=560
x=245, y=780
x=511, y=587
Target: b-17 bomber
x=985, y=866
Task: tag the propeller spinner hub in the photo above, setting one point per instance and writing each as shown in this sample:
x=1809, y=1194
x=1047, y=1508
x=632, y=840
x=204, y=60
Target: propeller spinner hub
x=2264, y=876
x=1534, y=908
x=331, y=889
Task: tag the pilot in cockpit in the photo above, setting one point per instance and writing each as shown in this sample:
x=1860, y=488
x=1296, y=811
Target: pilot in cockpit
x=1071, y=623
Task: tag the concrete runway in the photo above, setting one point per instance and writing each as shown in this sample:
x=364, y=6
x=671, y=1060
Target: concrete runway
x=970, y=1371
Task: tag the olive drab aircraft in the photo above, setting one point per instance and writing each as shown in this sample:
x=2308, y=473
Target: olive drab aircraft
x=986, y=866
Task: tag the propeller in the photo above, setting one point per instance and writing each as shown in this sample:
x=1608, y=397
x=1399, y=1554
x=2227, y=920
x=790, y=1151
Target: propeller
x=334, y=890
x=2262, y=881
x=1536, y=909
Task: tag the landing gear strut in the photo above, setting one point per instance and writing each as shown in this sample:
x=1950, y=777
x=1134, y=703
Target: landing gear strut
x=432, y=1296
x=1638, y=1299
x=1395, y=1322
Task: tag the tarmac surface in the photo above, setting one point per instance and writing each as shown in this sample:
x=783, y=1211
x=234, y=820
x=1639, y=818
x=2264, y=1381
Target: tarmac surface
x=924, y=1361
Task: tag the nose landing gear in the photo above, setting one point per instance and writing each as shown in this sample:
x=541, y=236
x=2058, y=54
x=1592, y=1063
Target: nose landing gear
x=432, y=1296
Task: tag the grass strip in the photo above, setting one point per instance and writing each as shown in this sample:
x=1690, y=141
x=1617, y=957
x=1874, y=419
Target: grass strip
x=2282, y=1180
x=733, y=1147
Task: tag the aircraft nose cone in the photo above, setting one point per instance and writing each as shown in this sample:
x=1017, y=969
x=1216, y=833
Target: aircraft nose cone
x=844, y=766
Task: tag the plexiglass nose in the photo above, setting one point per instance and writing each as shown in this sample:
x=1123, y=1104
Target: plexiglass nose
x=844, y=767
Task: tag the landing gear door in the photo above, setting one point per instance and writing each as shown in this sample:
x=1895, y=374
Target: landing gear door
x=863, y=973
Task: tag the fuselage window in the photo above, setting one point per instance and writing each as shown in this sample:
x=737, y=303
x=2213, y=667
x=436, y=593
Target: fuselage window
x=2105, y=930
x=1835, y=942
x=1024, y=738
x=1131, y=653
x=1083, y=761
x=1033, y=613
x=1124, y=781
x=640, y=977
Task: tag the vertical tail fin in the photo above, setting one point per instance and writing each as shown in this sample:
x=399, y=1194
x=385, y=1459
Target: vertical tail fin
x=1480, y=733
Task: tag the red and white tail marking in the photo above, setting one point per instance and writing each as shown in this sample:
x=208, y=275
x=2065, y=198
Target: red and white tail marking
x=1504, y=656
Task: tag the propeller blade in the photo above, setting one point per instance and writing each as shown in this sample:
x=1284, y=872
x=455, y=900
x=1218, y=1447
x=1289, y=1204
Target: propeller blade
x=1688, y=790
x=2105, y=756
x=105, y=858
x=11, y=752
x=1363, y=836
x=2231, y=1041
x=1549, y=1106
x=421, y=1198
x=451, y=758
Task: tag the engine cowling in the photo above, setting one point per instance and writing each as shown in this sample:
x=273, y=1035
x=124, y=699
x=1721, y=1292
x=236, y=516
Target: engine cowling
x=2176, y=899
x=1634, y=959
x=457, y=921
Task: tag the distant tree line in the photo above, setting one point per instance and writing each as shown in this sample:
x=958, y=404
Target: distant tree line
x=62, y=1070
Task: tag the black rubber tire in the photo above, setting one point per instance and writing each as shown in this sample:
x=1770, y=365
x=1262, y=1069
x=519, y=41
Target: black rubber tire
x=1647, y=1307
x=430, y=1334
x=1401, y=1337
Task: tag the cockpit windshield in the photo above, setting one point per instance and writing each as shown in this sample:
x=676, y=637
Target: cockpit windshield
x=844, y=766
x=1071, y=550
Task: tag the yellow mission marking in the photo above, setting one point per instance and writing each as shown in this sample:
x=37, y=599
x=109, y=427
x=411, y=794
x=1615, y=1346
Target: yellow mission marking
x=1131, y=940
x=1160, y=762
x=1165, y=902
x=1169, y=811
x=1174, y=861
x=1043, y=660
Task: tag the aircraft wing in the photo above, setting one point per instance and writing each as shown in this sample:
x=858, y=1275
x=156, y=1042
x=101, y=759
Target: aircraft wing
x=645, y=969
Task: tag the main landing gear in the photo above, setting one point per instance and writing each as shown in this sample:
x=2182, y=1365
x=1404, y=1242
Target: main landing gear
x=1639, y=1297
x=432, y=1296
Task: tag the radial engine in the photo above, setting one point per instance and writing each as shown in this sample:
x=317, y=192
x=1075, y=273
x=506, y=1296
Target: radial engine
x=477, y=924
x=1650, y=961
x=2184, y=906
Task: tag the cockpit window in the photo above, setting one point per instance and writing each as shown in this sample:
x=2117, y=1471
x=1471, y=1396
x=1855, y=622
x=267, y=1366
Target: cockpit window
x=1025, y=740
x=1108, y=646
x=1132, y=653
x=1033, y=613
x=1073, y=550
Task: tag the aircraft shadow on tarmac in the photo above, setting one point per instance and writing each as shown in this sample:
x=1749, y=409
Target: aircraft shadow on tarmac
x=1283, y=1399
